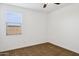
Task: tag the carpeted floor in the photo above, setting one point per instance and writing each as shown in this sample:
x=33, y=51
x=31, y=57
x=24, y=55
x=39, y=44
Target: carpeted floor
x=45, y=49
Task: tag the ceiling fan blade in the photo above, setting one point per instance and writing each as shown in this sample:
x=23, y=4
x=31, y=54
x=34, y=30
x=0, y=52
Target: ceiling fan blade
x=45, y=5
x=57, y=3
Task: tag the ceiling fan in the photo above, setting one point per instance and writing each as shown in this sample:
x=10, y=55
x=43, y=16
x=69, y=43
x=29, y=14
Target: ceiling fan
x=45, y=5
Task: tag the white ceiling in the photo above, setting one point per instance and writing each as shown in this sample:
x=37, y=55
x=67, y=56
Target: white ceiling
x=39, y=6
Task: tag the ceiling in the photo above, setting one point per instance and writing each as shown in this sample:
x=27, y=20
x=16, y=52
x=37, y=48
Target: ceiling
x=39, y=6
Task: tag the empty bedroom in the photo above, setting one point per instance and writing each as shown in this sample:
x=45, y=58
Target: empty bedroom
x=39, y=29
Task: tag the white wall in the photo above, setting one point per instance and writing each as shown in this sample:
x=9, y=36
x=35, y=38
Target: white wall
x=63, y=27
x=34, y=29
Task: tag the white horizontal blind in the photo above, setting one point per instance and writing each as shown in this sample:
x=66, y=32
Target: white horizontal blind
x=13, y=23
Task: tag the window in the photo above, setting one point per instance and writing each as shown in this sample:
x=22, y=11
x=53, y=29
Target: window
x=13, y=23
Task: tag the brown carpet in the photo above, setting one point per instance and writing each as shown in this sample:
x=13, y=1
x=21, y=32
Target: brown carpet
x=45, y=49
